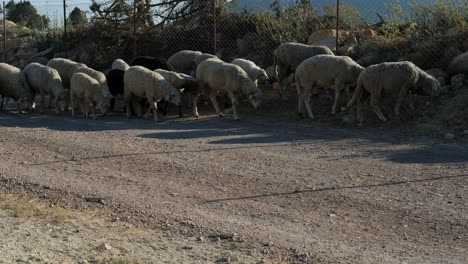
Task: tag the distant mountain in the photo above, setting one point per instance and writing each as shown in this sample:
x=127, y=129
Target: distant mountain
x=368, y=9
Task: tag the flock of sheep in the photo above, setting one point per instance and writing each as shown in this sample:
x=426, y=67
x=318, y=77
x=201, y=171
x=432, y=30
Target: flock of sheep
x=154, y=82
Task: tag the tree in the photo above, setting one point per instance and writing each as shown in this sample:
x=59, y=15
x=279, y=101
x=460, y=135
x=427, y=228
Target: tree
x=77, y=18
x=276, y=7
x=349, y=15
x=25, y=14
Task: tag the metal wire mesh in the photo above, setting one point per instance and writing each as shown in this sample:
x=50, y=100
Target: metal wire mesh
x=429, y=33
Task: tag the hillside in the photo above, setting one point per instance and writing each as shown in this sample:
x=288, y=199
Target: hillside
x=368, y=10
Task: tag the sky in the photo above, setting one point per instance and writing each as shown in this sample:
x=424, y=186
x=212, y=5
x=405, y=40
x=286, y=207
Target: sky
x=54, y=8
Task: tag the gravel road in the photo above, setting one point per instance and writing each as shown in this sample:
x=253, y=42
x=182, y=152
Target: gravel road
x=289, y=190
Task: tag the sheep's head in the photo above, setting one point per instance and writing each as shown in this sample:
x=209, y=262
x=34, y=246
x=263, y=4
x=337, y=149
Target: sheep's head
x=27, y=103
x=174, y=96
x=63, y=101
x=103, y=106
x=256, y=99
x=263, y=80
x=428, y=85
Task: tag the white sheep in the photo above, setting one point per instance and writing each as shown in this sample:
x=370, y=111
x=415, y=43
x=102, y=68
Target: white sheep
x=13, y=84
x=287, y=58
x=45, y=80
x=392, y=78
x=255, y=73
x=85, y=92
x=325, y=71
x=141, y=82
x=215, y=75
x=120, y=65
x=65, y=68
x=182, y=61
x=99, y=77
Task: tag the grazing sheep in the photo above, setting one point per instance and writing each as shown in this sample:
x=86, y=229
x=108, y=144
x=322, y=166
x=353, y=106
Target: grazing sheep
x=46, y=80
x=86, y=92
x=182, y=61
x=391, y=78
x=325, y=71
x=141, y=82
x=115, y=82
x=182, y=82
x=215, y=75
x=287, y=58
x=120, y=64
x=99, y=77
x=152, y=63
x=255, y=73
x=65, y=68
x=13, y=84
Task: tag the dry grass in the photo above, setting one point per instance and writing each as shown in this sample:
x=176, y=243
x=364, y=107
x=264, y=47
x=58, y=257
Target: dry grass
x=23, y=206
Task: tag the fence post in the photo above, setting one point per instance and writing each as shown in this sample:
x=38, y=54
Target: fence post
x=4, y=32
x=337, y=24
x=213, y=10
x=65, y=26
x=134, y=28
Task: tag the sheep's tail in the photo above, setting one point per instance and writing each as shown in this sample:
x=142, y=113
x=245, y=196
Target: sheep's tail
x=357, y=93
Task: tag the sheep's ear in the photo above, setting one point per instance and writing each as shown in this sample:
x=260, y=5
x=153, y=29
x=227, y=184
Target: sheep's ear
x=182, y=90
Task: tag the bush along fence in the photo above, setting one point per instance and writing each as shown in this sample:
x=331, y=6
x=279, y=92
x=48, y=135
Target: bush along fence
x=97, y=32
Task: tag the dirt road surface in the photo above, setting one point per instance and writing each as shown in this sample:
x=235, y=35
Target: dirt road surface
x=275, y=188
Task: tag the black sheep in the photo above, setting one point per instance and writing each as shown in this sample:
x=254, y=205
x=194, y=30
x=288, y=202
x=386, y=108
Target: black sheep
x=152, y=63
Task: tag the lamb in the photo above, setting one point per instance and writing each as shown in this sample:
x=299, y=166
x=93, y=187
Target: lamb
x=13, y=84
x=392, y=78
x=182, y=61
x=152, y=63
x=86, y=91
x=98, y=76
x=287, y=58
x=182, y=82
x=215, y=75
x=46, y=80
x=326, y=71
x=141, y=82
x=65, y=68
x=255, y=73
x=120, y=64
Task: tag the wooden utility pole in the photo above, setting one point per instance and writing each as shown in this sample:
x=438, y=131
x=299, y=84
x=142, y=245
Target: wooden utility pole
x=134, y=28
x=337, y=24
x=4, y=32
x=213, y=11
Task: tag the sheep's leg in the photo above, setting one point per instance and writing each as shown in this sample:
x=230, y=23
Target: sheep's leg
x=72, y=103
x=41, y=110
x=128, y=105
x=359, y=113
x=179, y=107
x=194, y=105
x=374, y=103
x=235, y=102
x=215, y=104
x=307, y=97
x=338, y=89
x=411, y=101
x=401, y=96
x=93, y=112
x=300, y=106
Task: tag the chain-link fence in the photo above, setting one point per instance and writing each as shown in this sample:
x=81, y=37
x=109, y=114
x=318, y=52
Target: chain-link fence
x=429, y=33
